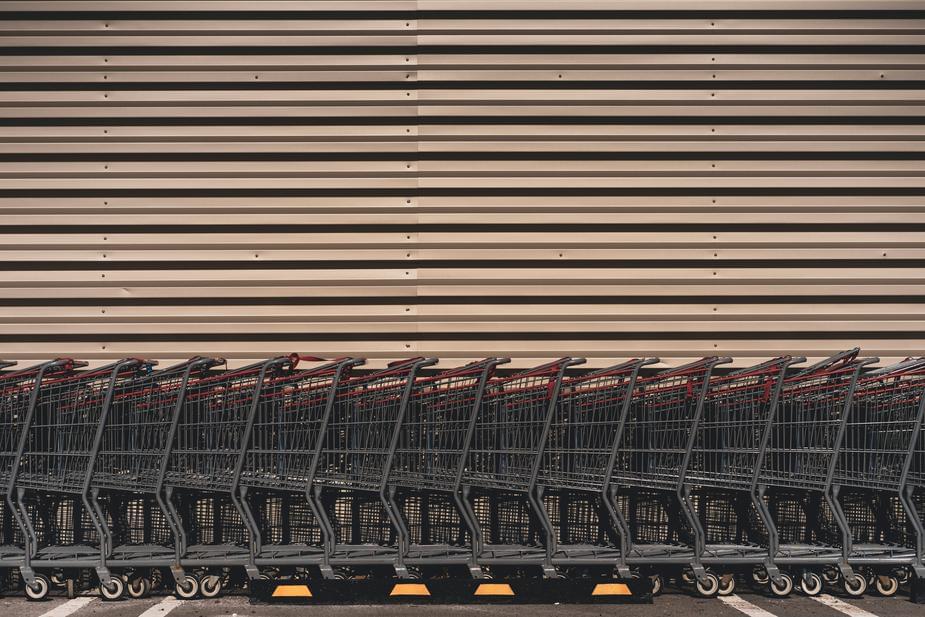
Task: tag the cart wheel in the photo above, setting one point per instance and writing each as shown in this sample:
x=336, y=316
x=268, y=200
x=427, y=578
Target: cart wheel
x=886, y=586
x=112, y=590
x=708, y=587
x=830, y=576
x=687, y=577
x=657, y=584
x=811, y=584
x=855, y=585
x=727, y=585
x=783, y=588
x=187, y=589
x=138, y=588
x=210, y=586
x=760, y=576
x=902, y=575
x=38, y=590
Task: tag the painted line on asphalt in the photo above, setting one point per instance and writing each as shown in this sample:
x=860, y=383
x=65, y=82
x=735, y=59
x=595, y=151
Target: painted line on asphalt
x=162, y=608
x=69, y=607
x=744, y=606
x=842, y=606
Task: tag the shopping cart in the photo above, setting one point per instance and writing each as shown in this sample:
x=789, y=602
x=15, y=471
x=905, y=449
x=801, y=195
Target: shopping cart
x=349, y=486
x=807, y=531
x=426, y=472
x=203, y=472
x=52, y=480
x=126, y=486
x=720, y=479
x=512, y=532
x=652, y=452
x=577, y=461
x=292, y=414
x=18, y=390
x=871, y=474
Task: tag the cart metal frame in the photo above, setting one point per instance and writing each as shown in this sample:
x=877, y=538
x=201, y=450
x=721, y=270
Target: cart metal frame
x=289, y=427
x=349, y=479
x=57, y=450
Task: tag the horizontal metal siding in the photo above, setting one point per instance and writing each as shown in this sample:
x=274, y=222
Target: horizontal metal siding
x=594, y=178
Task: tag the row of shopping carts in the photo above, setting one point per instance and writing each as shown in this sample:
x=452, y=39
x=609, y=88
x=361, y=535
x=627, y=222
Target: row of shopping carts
x=194, y=479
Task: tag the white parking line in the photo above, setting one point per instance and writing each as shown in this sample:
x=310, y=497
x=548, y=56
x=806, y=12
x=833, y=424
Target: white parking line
x=743, y=606
x=71, y=606
x=842, y=606
x=162, y=608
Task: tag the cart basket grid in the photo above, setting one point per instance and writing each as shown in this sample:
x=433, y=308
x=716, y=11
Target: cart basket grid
x=213, y=425
x=585, y=426
x=432, y=442
x=806, y=426
x=882, y=425
x=290, y=415
x=67, y=416
x=16, y=391
x=736, y=410
x=508, y=436
x=359, y=437
x=663, y=412
x=136, y=434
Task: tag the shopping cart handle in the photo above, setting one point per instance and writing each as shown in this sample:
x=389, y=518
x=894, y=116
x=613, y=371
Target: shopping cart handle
x=907, y=365
x=7, y=363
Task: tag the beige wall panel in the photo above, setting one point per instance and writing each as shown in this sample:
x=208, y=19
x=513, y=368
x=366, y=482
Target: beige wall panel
x=389, y=178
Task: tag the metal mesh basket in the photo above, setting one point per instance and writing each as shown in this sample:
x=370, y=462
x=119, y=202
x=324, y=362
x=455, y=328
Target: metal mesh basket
x=810, y=415
x=737, y=408
x=214, y=425
x=17, y=390
x=579, y=449
x=66, y=421
x=292, y=412
x=883, y=422
x=363, y=426
x=510, y=429
x=138, y=427
x=662, y=417
x=437, y=427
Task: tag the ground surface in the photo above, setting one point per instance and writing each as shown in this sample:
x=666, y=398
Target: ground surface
x=671, y=604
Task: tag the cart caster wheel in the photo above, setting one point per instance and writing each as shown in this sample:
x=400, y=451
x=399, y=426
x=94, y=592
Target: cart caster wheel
x=709, y=587
x=902, y=575
x=886, y=586
x=760, y=576
x=112, y=590
x=138, y=588
x=210, y=586
x=855, y=585
x=657, y=584
x=783, y=588
x=811, y=584
x=687, y=578
x=830, y=576
x=727, y=585
x=414, y=574
x=38, y=590
x=187, y=589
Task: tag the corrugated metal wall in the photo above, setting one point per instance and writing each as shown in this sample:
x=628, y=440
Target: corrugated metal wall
x=526, y=178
